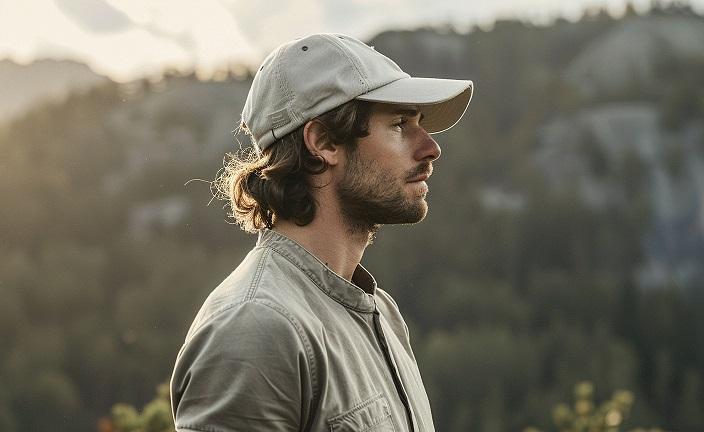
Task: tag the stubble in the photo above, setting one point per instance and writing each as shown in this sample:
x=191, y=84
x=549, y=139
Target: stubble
x=371, y=196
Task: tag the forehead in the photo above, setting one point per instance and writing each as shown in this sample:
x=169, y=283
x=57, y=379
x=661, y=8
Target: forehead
x=395, y=109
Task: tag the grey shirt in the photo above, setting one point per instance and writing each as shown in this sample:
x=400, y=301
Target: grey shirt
x=286, y=344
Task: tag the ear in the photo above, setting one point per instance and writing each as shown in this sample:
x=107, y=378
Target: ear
x=318, y=143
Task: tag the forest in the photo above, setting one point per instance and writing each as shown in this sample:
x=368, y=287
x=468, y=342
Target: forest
x=517, y=286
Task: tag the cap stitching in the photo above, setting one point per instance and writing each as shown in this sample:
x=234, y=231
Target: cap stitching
x=343, y=49
x=281, y=78
x=283, y=82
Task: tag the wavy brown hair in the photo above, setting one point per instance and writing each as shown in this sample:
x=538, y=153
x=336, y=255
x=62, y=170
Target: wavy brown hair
x=263, y=188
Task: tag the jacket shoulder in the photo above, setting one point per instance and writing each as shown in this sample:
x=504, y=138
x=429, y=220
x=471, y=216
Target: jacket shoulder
x=237, y=370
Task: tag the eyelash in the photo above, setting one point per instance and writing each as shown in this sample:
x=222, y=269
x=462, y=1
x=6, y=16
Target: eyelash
x=401, y=123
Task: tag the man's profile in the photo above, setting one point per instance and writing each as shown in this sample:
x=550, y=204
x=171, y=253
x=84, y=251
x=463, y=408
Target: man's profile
x=299, y=337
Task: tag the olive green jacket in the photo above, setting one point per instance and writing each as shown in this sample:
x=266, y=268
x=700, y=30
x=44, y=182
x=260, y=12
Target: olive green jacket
x=285, y=344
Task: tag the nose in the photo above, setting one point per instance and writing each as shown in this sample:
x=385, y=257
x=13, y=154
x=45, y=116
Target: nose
x=428, y=149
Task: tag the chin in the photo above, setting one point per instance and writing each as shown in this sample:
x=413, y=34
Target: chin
x=420, y=210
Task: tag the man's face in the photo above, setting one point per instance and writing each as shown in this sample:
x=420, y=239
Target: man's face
x=384, y=177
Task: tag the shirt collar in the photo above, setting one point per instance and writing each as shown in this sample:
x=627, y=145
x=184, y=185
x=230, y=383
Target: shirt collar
x=358, y=295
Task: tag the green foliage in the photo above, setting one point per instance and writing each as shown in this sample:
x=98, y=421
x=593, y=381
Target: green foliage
x=508, y=306
x=155, y=416
x=586, y=416
x=126, y=418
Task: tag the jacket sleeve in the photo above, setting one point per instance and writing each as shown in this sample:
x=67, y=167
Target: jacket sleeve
x=245, y=369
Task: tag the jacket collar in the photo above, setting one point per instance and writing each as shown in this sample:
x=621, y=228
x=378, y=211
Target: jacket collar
x=357, y=295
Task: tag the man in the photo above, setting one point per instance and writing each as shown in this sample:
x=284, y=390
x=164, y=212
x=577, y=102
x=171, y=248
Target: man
x=299, y=337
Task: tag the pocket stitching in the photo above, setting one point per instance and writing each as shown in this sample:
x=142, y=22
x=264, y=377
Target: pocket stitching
x=355, y=408
x=381, y=420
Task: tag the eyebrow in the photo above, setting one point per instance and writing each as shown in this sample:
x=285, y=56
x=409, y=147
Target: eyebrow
x=411, y=112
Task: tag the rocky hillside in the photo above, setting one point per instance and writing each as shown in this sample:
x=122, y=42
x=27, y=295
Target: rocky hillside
x=592, y=102
x=25, y=86
x=570, y=183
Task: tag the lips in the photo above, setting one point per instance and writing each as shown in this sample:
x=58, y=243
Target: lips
x=419, y=178
x=421, y=173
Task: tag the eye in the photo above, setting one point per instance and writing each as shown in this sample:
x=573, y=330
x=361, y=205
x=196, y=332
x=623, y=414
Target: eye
x=400, y=123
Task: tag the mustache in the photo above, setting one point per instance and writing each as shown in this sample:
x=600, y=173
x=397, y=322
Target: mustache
x=423, y=168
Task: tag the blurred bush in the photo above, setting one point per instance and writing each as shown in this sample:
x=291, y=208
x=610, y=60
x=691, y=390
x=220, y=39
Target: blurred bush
x=155, y=416
x=586, y=416
x=512, y=291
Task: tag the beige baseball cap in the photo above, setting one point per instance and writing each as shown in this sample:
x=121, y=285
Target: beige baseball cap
x=308, y=77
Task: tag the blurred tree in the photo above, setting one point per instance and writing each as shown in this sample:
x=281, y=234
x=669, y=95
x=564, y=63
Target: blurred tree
x=586, y=416
x=155, y=416
x=510, y=299
x=690, y=412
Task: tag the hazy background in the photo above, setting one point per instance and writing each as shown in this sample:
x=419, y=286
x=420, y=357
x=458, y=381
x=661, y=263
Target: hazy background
x=565, y=240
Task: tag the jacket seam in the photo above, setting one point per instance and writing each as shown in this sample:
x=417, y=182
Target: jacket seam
x=306, y=345
x=250, y=293
x=257, y=276
x=301, y=335
x=317, y=283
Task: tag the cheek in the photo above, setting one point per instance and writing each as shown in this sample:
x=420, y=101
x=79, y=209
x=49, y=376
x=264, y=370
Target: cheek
x=386, y=151
x=386, y=145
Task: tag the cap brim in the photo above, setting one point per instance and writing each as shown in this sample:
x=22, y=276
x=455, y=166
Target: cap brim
x=442, y=102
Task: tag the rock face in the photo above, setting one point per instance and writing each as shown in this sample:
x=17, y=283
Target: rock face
x=591, y=152
x=587, y=147
x=631, y=52
x=612, y=148
x=23, y=86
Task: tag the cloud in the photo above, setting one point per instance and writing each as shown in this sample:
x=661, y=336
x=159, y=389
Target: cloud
x=270, y=23
x=123, y=38
x=94, y=15
x=129, y=38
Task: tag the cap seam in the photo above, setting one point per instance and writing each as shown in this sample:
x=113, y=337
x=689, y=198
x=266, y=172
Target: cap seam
x=283, y=84
x=352, y=70
x=369, y=90
x=361, y=75
x=283, y=80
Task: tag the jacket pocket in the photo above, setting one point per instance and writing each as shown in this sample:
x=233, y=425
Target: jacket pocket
x=371, y=415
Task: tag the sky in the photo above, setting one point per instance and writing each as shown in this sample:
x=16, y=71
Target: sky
x=130, y=39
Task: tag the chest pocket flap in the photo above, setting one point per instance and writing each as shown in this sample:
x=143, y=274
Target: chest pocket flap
x=371, y=415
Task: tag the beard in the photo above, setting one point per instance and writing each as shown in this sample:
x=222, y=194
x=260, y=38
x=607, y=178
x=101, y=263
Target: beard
x=371, y=196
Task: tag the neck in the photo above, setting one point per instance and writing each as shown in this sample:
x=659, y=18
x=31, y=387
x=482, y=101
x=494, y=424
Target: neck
x=331, y=240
